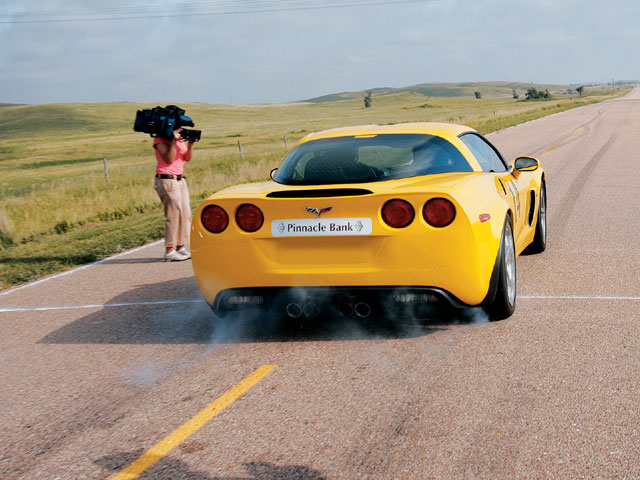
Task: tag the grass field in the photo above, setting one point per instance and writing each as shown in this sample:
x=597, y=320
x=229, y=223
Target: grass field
x=58, y=211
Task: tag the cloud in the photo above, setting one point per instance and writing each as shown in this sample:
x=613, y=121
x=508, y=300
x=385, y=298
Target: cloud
x=283, y=56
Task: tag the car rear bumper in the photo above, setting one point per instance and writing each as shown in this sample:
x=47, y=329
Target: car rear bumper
x=455, y=271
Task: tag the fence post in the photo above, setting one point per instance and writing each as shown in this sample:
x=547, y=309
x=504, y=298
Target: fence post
x=106, y=170
x=285, y=142
x=240, y=147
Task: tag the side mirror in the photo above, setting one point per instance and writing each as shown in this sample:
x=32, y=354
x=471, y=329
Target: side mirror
x=526, y=164
x=272, y=174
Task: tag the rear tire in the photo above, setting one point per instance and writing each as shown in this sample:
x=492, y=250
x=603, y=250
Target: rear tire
x=539, y=243
x=504, y=303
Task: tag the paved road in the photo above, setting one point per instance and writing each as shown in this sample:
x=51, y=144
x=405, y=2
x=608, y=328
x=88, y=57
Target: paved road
x=553, y=392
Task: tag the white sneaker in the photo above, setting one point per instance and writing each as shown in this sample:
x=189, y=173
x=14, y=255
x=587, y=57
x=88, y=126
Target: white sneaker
x=185, y=252
x=174, y=256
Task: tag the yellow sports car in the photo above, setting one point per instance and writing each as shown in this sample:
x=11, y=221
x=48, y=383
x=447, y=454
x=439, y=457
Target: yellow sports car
x=363, y=218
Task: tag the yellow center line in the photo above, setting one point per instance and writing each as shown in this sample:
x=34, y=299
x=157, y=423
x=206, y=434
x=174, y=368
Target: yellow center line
x=178, y=436
x=551, y=148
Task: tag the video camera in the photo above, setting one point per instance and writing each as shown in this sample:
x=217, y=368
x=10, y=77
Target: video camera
x=162, y=121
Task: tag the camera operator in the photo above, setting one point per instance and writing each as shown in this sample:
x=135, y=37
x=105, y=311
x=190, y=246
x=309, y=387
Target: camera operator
x=171, y=185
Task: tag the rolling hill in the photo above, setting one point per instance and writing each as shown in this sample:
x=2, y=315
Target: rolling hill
x=465, y=89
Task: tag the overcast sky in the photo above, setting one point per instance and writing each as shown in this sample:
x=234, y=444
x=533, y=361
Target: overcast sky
x=301, y=51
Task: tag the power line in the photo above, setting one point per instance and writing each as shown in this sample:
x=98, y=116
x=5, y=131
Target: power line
x=124, y=10
x=206, y=8
x=188, y=10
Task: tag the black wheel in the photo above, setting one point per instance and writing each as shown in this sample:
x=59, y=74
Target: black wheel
x=219, y=315
x=504, y=303
x=539, y=243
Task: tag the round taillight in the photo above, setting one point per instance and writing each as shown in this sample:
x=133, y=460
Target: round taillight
x=249, y=217
x=439, y=212
x=397, y=213
x=214, y=218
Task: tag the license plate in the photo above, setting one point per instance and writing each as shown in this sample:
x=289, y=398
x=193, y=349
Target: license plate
x=321, y=227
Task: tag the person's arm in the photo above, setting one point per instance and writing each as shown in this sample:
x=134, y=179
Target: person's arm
x=189, y=152
x=168, y=151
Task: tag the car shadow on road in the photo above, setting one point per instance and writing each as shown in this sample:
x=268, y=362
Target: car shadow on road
x=172, y=468
x=138, y=317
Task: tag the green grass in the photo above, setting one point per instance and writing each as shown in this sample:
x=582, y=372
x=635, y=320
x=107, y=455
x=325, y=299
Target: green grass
x=29, y=261
x=57, y=210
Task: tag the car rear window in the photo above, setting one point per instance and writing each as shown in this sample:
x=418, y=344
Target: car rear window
x=369, y=158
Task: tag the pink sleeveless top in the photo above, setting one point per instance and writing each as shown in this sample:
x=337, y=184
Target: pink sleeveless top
x=177, y=167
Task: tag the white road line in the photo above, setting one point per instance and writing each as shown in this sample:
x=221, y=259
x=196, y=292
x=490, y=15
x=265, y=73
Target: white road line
x=178, y=302
x=74, y=270
x=104, y=305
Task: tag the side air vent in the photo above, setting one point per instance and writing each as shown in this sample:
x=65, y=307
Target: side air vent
x=532, y=207
x=320, y=192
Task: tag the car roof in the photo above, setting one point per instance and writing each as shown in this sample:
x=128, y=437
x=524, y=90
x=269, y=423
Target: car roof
x=429, y=128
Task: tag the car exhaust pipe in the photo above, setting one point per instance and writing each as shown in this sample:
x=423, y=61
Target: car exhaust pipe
x=310, y=310
x=345, y=309
x=294, y=310
x=362, y=310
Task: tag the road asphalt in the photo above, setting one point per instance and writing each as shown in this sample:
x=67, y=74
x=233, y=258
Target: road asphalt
x=100, y=364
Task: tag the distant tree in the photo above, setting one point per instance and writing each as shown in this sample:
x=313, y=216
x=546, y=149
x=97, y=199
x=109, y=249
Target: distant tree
x=580, y=89
x=534, y=94
x=477, y=94
x=515, y=94
x=367, y=99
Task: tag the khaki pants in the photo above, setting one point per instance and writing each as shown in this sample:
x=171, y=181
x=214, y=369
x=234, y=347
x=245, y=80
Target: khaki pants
x=174, y=195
